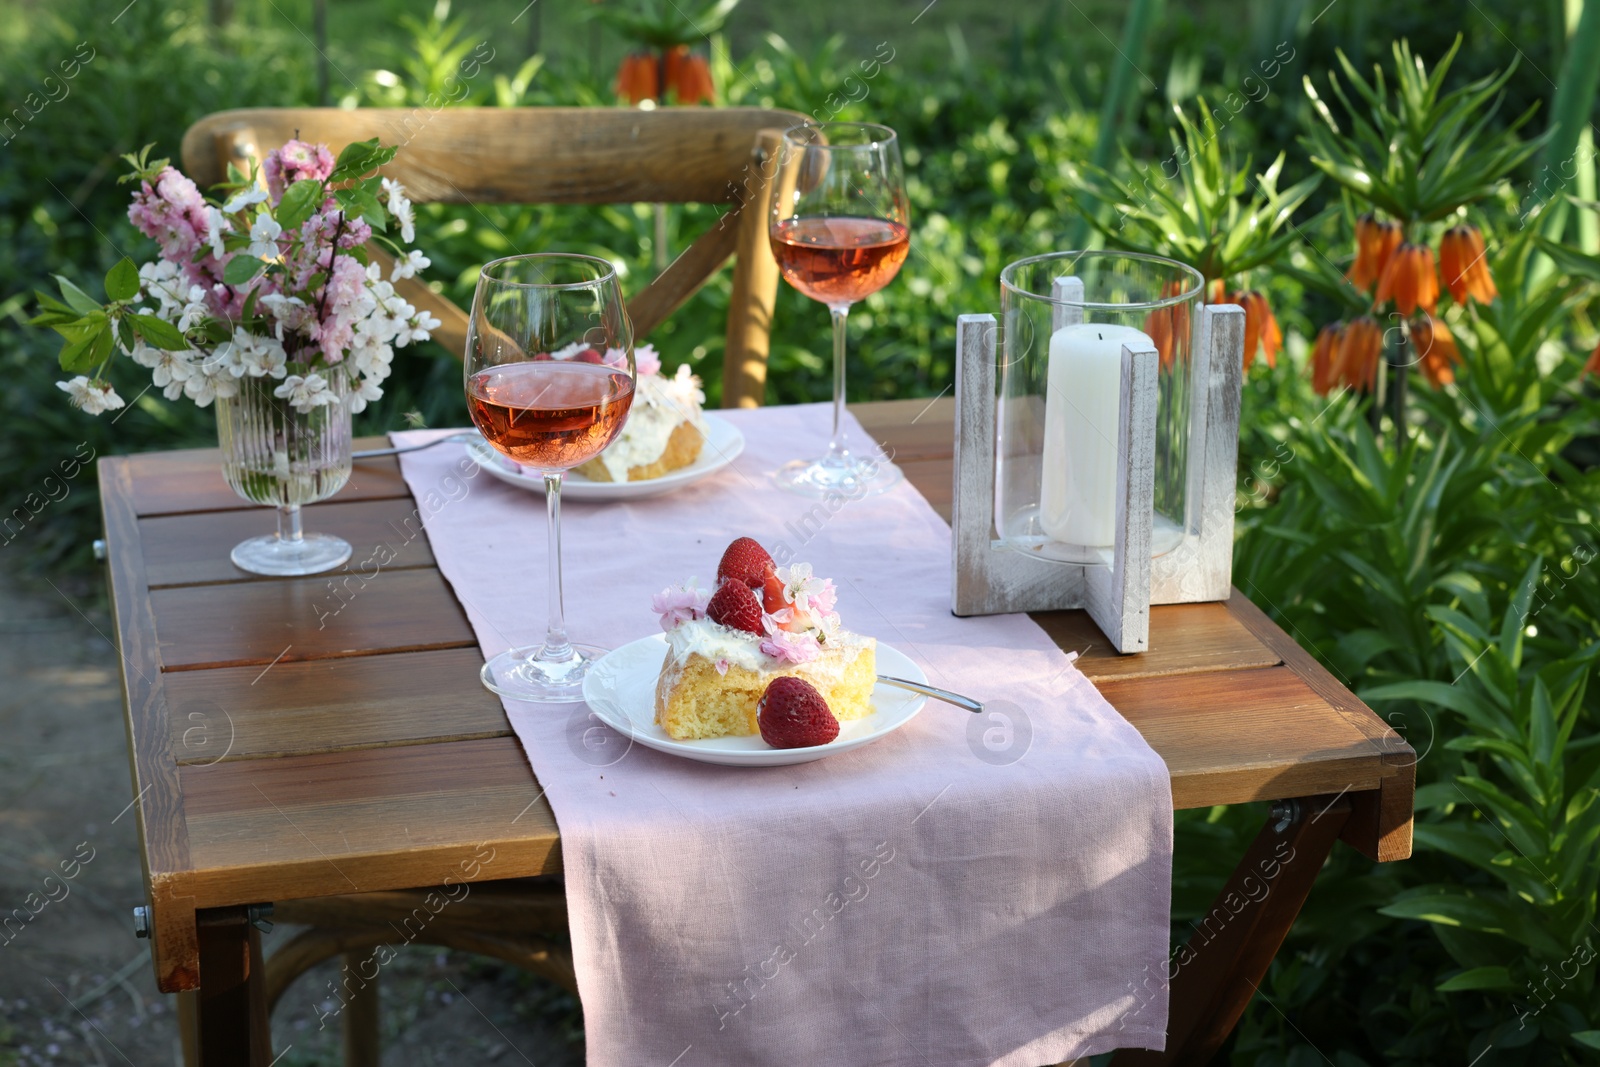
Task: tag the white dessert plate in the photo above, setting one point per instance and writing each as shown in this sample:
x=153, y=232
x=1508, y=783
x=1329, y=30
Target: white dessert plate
x=723, y=444
x=621, y=690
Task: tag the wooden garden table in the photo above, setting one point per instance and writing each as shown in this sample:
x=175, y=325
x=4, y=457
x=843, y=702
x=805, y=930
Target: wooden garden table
x=275, y=760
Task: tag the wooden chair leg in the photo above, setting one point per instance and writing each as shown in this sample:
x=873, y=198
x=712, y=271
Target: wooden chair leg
x=361, y=1018
x=189, y=1027
x=232, y=1007
x=1218, y=970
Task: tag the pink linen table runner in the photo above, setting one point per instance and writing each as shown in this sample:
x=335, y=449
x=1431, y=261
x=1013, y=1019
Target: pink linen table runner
x=970, y=890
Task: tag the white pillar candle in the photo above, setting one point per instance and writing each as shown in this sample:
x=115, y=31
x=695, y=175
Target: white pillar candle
x=1078, y=497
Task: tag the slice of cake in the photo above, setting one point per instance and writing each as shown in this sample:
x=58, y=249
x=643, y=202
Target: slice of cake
x=666, y=427
x=726, y=646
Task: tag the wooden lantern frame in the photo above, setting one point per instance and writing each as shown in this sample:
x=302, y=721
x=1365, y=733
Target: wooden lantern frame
x=990, y=578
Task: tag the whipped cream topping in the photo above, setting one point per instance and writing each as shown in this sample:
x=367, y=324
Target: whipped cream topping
x=660, y=404
x=723, y=644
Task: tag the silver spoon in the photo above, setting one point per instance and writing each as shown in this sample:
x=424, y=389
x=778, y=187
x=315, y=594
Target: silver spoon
x=966, y=703
x=455, y=438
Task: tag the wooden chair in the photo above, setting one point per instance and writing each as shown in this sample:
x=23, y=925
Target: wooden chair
x=523, y=156
x=564, y=156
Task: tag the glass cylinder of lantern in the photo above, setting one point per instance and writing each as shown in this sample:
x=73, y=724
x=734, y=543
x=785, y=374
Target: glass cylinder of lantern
x=1066, y=317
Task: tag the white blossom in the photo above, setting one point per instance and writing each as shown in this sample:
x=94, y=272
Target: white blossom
x=305, y=393
x=202, y=389
x=408, y=223
x=166, y=367
x=93, y=397
x=416, y=330
x=194, y=311
x=396, y=194
x=216, y=225
x=368, y=392
x=264, y=237
x=408, y=266
x=243, y=199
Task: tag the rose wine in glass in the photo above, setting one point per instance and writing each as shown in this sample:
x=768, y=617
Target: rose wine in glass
x=840, y=230
x=549, y=416
x=549, y=413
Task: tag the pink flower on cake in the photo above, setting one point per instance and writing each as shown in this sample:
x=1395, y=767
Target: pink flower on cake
x=811, y=595
x=294, y=161
x=789, y=647
x=680, y=603
x=645, y=359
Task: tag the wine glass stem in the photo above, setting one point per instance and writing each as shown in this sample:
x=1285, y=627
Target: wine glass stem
x=289, y=523
x=836, y=447
x=556, y=645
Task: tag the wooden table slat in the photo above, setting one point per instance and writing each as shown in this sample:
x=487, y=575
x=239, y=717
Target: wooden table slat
x=193, y=549
x=330, y=705
x=287, y=620
x=382, y=818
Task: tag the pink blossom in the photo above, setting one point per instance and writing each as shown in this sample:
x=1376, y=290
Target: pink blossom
x=680, y=603
x=172, y=212
x=295, y=161
x=789, y=647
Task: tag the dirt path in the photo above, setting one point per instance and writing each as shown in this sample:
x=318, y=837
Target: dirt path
x=75, y=985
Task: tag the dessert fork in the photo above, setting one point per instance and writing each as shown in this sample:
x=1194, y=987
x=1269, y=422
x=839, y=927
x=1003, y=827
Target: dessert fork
x=967, y=703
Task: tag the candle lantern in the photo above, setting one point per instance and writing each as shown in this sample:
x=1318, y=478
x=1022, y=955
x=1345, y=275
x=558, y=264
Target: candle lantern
x=1096, y=439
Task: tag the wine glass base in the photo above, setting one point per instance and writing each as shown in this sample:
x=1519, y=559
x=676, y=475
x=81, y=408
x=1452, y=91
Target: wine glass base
x=278, y=558
x=850, y=478
x=521, y=675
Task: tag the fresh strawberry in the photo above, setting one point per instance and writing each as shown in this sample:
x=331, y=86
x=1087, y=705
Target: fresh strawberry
x=541, y=356
x=775, y=601
x=745, y=561
x=792, y=714
x=733, y=604
x=589, y=355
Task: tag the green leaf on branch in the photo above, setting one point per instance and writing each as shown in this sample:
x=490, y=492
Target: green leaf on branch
x=159, y=333
x=122, y=281
x=80, y=300
x=363, y=203
x=360, y=157
x=87, y=352
x=125, y=334
x=299, y=202
x=241, y=269
x=1477, y=978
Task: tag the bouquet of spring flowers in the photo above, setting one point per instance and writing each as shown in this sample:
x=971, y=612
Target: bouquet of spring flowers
x=272, y=281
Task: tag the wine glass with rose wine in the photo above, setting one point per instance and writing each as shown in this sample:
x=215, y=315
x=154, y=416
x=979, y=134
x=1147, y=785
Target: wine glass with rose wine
x=549, y=379
x=840, y=229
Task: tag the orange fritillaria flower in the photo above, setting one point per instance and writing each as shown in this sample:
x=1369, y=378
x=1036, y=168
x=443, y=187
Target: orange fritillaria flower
x=1463, y=266
x=1437, y=353
x=1360, y=349
x=1169, y=327
x=1375, y=244
x=1593, y=366
x=638, y=78
x=689, y=77
x=1260, y=327
x=1409, y=280
x=1325, y=357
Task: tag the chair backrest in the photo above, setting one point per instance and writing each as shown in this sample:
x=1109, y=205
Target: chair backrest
x=565, y=156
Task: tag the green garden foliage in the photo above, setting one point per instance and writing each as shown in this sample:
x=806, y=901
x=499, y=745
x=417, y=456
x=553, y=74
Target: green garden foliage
x=1446, y=574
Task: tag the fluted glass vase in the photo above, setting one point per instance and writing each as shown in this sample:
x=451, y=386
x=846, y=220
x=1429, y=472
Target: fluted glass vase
x=273, y=454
